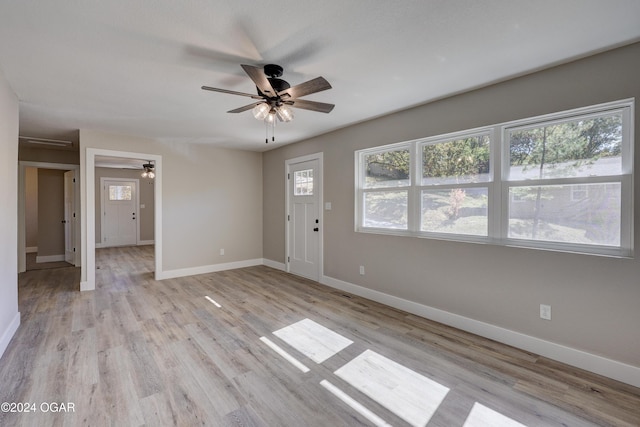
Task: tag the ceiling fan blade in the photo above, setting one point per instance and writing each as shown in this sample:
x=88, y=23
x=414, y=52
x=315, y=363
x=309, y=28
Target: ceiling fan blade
x=312, y=86
x=257, y=75
x=245, y=108
x=311, y=105
x=232, y=92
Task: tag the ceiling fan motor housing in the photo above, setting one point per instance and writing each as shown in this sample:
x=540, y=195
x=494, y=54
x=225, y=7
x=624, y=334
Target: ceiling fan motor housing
x=274, y=71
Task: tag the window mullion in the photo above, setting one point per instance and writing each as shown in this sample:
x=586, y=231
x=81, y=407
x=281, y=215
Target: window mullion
x=414, y=205
x=495, y=187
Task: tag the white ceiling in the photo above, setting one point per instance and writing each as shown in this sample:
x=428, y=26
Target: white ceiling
x=136, y=66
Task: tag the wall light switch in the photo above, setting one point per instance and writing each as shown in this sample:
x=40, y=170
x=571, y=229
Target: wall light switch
x=142, y=206
x=221, y=251
x=327, y=206
x=362, y=270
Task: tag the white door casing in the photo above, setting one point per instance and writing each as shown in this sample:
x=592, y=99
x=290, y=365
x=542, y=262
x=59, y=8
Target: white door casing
x=304, y=221
x=69, y=216
x=119, y=219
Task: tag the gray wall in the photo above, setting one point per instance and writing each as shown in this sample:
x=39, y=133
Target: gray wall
x=9, y=316
x=48, y=155
x=146, y=190
x=594, y=299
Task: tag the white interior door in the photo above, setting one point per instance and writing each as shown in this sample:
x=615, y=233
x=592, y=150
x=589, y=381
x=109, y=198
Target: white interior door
x=120, y=213
x=304, y=219
x=69, y=217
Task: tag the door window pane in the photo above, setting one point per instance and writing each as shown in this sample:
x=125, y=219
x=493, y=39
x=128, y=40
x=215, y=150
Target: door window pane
x=584, y=214
x=119, y=192
x=303, y=183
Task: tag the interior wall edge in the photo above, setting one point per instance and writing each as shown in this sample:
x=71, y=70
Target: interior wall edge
x=8, y=333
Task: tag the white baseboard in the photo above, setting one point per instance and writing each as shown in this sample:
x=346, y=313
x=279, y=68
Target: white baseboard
x=49, y=258
x=140, y=243
x=274, y=264
x=182, y=272
x=600, y=365
x=85, y=286
x=9, y=333
x=31, y=249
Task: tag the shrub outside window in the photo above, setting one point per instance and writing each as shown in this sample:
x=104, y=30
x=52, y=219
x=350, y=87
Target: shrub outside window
x=561, y=182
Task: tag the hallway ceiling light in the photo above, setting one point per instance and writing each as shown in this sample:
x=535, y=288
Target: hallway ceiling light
x=149, y=170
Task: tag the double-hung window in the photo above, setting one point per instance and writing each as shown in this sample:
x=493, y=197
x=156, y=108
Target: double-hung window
x=455, y=174
x=571, y=177
x=560, y=182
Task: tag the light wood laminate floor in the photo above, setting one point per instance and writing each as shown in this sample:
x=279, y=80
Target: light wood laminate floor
x=140, y=352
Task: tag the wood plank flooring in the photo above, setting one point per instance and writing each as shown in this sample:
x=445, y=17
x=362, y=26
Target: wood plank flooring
x=136, y=352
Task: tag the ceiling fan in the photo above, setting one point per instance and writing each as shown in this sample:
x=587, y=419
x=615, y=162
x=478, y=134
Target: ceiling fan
x=275, y=96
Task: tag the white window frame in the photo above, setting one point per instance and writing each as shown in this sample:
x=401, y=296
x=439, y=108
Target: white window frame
x=489, y=184
x=499, y=183
x=362, y=190
x=626, y=110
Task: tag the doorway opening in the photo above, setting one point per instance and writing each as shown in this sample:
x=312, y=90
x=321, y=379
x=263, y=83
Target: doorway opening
x=49, y=216
x=123, y=210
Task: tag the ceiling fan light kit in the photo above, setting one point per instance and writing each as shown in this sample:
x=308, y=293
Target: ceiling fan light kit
x=277, y=96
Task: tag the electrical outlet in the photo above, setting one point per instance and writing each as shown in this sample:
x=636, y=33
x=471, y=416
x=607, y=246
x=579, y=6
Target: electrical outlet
x=221, y=251
x=545, y=311
x=362, y=270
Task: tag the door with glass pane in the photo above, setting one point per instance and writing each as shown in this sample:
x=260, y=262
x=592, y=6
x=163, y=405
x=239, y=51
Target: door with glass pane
x=303, y=219
x=119, y=213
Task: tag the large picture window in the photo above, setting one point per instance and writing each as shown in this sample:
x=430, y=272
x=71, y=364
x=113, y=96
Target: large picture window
x=560, y=182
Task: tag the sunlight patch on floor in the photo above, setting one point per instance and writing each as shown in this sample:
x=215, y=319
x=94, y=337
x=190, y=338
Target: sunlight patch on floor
x=313, y=340
x=481, y=416
x=409, y=395
x=404, y=392
x=213, y=302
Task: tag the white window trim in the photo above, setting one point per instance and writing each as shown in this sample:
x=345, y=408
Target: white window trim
x=499, y=185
